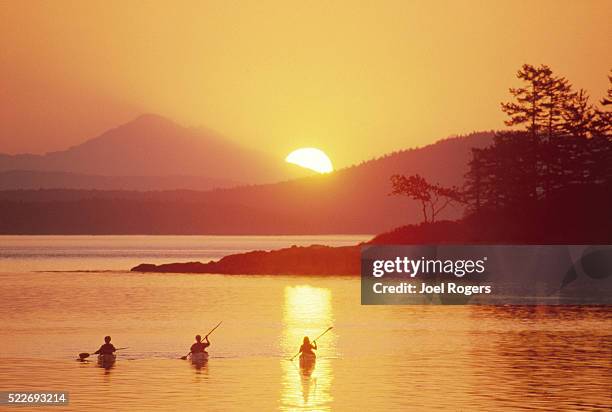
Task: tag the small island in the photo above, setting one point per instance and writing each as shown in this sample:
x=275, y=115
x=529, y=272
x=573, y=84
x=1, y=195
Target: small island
x=296, y=260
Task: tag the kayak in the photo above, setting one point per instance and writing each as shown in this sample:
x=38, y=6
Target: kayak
x=199, y=357
x=307, y=360
x=106, y=359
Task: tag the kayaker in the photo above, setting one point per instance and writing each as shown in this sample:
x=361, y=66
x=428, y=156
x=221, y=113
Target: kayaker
x=199, y=346
x=307, y=347
x=107, y=348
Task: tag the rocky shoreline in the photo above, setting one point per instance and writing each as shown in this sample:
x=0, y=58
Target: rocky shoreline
x=314, y=260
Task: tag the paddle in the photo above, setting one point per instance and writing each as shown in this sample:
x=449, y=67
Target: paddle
x=207, y=335
x=317, y=338
x=84, y=355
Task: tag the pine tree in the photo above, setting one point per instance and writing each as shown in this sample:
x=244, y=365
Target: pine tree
x=608, y=99
x=558, y=93
x=529, y=105
x=540, y=104
x=578, y=115
x=602, y=123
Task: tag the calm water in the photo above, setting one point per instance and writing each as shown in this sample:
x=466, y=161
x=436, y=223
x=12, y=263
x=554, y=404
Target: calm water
x=376, y=358
x=107, y=253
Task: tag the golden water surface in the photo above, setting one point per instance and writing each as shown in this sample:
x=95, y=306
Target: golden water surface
x=375, y=358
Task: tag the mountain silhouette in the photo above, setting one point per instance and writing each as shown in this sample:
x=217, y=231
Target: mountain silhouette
x=152, y=145
x=351, y=200
x=25, y=179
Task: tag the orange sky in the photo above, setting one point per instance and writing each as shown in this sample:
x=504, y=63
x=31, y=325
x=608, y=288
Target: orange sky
x=356, y=79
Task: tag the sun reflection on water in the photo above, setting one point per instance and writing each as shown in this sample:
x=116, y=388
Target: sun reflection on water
x=307, y=312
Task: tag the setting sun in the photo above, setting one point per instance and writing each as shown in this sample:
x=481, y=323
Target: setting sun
x=281, y=200
x=311, y=158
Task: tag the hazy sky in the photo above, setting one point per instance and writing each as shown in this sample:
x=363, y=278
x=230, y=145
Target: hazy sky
x=356, y=78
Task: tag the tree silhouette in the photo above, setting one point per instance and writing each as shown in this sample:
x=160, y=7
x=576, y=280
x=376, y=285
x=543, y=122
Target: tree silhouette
x=528, y=170
x=602, y=124
x=578, y=115
x=549, y=182
x=608, y=99
x=558, y=92
x=529, y=105
x=433, y=198
x=541, y=103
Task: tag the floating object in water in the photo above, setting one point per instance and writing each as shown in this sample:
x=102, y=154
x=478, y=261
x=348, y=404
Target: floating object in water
x=199, y=357
x=106, y=359
x=314, y=341
x=307, y=360
x=307, y=363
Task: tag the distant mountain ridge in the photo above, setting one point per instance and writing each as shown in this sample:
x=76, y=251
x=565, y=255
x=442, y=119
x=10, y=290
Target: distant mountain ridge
x=26, y=179
x=350, y=200
x=151, y=146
